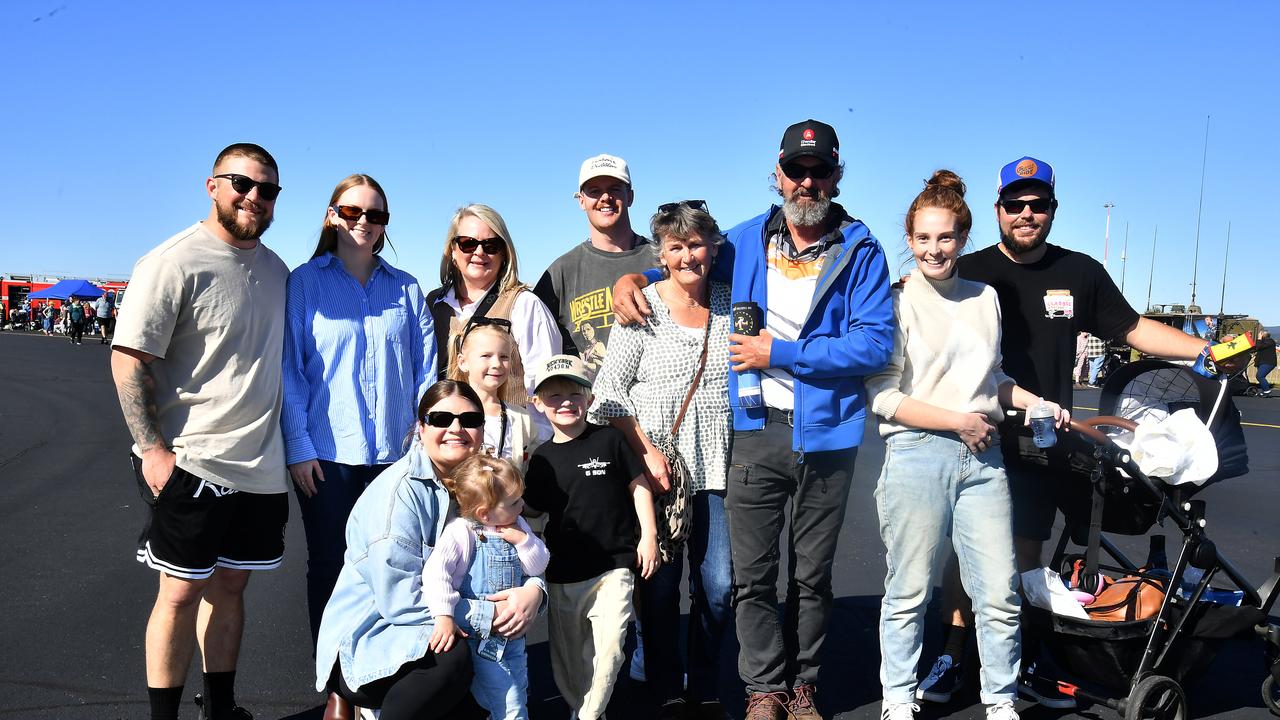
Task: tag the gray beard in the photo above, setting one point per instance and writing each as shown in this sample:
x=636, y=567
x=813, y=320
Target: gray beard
x=809, y=214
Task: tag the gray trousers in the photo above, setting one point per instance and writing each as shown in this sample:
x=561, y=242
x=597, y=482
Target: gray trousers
x=779, y=651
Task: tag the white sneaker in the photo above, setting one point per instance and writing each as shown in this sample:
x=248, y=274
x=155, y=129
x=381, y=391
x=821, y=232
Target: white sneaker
x=899, y=711
x=1002, y=710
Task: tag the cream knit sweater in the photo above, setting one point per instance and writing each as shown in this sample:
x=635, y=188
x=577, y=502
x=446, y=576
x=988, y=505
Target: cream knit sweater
x=946, y=350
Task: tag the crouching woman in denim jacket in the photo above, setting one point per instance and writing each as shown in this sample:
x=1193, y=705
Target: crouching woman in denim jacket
x=373, y=645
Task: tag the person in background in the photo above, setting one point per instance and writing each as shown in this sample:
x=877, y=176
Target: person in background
x=1265, y=359
x=480, y=278
x=1096, y=352
x=359, y=351
x=76, y=319
x=104, y=310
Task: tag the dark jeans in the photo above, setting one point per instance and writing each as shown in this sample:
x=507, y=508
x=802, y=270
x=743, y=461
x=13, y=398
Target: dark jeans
x=434, y=686
x=77, y=331
x=709, y=639
x=324, y=517
x=764, y=474
x=1263, y=372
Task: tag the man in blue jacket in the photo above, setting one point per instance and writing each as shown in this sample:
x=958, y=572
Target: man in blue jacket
x=821, y=285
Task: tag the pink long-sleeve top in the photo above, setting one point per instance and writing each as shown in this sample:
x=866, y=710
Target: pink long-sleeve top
x=452, y=556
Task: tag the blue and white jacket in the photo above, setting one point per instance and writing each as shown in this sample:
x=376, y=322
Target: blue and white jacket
x=847, y=334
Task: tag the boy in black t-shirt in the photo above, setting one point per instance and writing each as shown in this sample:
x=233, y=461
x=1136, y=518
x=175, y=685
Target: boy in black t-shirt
x=593, y=486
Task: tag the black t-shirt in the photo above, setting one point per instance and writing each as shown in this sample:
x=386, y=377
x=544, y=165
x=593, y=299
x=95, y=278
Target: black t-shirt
x=584, y=485
x=1042, y=306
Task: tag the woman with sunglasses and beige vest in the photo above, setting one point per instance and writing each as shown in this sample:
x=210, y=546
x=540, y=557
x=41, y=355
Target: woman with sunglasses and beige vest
x=359, y=352
x=479, y=278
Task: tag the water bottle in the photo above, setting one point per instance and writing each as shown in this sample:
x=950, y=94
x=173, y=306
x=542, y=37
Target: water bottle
x=1042, y=424
x=746, y=321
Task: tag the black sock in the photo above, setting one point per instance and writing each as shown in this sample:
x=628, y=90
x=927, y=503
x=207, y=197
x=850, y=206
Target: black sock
x=164, y=702
x=953, y=643
x=219, y=693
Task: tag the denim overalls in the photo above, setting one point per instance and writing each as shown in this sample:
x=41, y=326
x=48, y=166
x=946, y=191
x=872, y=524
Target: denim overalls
x=501, y=666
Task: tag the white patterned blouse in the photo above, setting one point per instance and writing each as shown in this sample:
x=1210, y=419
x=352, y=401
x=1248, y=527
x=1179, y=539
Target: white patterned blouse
x=646, y=375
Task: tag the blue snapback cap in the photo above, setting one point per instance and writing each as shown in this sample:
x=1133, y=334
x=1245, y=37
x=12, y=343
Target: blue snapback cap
x=1025, y=169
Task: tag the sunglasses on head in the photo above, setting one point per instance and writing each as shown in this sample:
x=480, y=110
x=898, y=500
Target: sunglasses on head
x=798, y=172
x=471, y=419
x=245, y=185
x=1039, y=206
x=352, y=213
x=492, y=246
x=691, y=204
x=501, y=323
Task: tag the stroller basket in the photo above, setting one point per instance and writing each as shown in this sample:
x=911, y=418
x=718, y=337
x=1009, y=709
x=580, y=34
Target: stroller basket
x=1108, y=653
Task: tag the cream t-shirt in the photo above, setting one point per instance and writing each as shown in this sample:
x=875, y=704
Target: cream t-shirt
x=213, y=315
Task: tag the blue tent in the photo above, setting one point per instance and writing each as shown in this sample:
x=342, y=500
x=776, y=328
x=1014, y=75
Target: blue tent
x=66, y=289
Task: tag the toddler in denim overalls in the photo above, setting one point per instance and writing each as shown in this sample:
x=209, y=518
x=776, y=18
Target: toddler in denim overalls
x=487, y=549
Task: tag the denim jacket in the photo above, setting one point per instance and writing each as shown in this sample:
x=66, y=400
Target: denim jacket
x=377, y=620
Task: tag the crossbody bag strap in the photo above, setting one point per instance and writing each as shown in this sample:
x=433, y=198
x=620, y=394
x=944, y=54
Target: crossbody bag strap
x=697, y=377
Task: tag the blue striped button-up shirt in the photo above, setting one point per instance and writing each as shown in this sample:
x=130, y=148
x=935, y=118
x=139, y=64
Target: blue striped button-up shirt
x=356, y=361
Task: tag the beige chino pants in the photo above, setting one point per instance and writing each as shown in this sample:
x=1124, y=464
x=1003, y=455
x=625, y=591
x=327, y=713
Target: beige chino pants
x=588, y=626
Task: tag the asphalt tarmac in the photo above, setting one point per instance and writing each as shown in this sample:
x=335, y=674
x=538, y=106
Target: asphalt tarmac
x=74, y=602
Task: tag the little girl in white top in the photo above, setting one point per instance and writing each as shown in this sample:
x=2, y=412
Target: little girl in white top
x=486, y=550
x=487, y=361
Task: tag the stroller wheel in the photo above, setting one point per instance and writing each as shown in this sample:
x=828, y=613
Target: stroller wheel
x=1156, y=697
x=1271, y=694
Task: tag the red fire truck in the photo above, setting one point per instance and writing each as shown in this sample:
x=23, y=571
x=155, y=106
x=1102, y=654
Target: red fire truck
x=14, y=289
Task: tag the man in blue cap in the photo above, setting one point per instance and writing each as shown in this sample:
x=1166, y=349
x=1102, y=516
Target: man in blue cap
x=1047, y=295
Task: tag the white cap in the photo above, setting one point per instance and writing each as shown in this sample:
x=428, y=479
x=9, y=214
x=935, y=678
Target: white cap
x=606, y=166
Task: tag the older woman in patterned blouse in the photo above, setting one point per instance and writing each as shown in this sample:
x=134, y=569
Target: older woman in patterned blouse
x=640, y=388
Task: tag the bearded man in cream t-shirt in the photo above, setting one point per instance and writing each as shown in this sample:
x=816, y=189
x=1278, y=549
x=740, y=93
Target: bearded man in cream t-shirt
x=197, y=366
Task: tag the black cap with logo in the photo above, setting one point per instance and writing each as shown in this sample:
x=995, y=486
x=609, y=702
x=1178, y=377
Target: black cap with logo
x=812, y=138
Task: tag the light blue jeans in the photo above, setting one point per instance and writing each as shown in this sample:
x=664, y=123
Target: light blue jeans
x=501, y=681
x=931, y=485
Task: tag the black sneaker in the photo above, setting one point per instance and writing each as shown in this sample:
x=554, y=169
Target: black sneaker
x=943, y=681
x=237, y=712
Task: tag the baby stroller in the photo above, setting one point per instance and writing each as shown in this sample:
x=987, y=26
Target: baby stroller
x=1137, y=661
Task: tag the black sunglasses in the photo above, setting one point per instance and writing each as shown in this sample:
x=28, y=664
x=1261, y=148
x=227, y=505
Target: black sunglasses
x=444, y=419
x=798, y=172
x=475, y=322
x=691, y=204
x=1039, y=206
x=245, y=185
x=492, y=246
x=352, y=213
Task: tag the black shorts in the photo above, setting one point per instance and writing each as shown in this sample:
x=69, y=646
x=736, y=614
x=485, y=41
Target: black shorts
x=195, y=526
x=107, y=323
x=1040, y=484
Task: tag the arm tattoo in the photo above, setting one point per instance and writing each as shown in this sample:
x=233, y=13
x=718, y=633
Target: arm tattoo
x=137, y=392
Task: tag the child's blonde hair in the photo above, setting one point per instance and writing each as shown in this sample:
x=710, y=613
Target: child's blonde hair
x=510, y=392
x=483, y=481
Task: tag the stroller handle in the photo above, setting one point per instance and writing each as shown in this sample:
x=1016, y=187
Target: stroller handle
x=1089, y=428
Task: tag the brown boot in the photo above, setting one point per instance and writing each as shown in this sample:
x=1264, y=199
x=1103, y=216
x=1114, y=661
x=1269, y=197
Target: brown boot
x=338, y=708
x=766, y=706
x=800, y=706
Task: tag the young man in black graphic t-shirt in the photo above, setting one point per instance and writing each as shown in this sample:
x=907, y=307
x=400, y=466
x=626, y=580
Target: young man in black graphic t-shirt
x=593, y=486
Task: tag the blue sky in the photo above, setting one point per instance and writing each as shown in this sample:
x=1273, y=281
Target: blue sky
x=114, y=112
